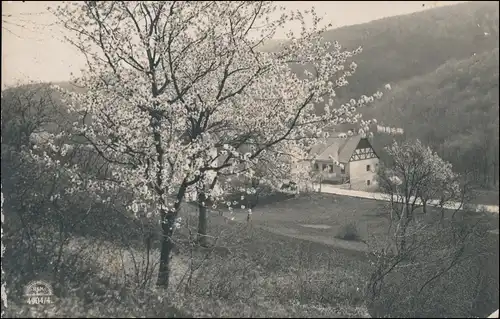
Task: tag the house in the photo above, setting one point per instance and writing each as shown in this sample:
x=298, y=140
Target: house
x=346, y=160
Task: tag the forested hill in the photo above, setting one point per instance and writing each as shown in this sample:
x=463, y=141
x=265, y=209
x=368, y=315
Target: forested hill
x=401, y=47
x=454, y=109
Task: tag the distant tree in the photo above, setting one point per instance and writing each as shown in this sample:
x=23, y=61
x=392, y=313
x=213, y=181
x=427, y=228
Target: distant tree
x=415, y=175
x=27, y=110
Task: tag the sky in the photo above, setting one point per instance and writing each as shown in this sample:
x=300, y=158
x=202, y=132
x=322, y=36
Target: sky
x=33, y=48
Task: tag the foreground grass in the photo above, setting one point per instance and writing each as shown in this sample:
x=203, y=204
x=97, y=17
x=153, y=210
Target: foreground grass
x=256, y=274
x=273, y=266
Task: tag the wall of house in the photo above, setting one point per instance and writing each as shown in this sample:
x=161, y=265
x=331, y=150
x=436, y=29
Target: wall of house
x=358, y=174
x=326, y=176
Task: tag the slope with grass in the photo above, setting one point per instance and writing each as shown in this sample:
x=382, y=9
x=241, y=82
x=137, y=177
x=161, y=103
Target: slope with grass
x=265, y=275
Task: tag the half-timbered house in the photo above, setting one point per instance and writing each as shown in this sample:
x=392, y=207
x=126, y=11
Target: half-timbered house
x=346, y=160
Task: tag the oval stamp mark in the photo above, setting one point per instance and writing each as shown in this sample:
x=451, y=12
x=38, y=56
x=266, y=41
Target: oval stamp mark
x=38, y=292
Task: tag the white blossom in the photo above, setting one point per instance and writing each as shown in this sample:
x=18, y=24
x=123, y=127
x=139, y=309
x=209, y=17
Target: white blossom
x=209, y=111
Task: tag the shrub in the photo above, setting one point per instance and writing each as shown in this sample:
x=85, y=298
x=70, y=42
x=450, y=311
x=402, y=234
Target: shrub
x=348, y=232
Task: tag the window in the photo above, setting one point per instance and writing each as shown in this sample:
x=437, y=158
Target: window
x=316, y=167
x=368, y=182
x=342, y=170
x=330, y=168
x=367, y=168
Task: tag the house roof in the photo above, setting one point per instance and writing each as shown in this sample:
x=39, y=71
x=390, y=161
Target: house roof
x=327, y=151
x=348, y=148
x=336, y=148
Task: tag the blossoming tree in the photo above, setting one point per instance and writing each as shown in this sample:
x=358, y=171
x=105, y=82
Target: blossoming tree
x=415, y=176
x=178, y=95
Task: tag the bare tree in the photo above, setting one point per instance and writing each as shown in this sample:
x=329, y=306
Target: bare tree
x=423, y=250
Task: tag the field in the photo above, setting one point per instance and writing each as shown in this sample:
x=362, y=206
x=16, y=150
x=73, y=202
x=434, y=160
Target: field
x=322, y=217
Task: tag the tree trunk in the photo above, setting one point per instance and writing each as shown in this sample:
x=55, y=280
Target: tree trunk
x=495, y=171
x=254, y=198
x=486, y=179
x=202, y=220
x=167, y=246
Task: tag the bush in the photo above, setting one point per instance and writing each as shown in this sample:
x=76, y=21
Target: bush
x=443, y=271
x=348, y=232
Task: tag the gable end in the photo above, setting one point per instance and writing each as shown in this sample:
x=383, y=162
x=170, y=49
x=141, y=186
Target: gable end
x=363, y=150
